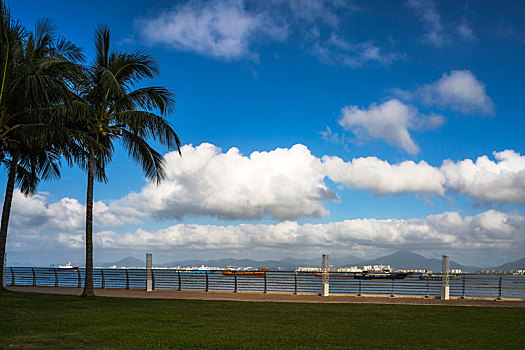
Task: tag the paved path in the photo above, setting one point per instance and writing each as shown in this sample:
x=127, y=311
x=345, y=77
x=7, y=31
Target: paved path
x=272, y=297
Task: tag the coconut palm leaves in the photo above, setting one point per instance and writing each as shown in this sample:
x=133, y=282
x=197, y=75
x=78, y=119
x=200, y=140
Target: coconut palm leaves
x=112, y=108
x=36, y=71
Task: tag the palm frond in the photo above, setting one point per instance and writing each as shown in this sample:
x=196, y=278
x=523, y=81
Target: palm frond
x=148, y=125
x=102, y=45
x=67, y=49
x=154, y=97
x=151, y=161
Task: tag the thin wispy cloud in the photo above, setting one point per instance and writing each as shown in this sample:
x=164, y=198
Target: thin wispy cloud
x=221, y=29
x=338, y=51
x=228, y=30
x=436, y=32
x=466, y=32
x=426, y=10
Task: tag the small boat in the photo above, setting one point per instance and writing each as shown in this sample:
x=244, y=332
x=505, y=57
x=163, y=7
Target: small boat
x=68, y=266
x=256, y=272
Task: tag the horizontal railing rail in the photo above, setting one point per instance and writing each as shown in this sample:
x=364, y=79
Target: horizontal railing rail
x=461, y=286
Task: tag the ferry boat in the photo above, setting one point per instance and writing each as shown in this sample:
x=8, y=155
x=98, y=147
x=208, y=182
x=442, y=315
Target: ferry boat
x=68, y=266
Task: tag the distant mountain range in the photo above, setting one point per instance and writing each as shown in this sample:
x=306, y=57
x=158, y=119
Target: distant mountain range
x=399, y=260
x=513, y=265
x=406, y=260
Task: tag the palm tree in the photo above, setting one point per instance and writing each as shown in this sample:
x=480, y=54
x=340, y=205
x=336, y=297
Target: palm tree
x=36, y=71
x=110, y=108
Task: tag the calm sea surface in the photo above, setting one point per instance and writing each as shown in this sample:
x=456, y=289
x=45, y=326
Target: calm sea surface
x=481, y=286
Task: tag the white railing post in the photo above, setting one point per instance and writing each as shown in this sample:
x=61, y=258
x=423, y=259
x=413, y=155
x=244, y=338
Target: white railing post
x=445, y=287
x=326, y=284
x=149, y=279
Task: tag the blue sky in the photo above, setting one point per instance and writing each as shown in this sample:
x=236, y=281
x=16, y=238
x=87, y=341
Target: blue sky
x=389, y=105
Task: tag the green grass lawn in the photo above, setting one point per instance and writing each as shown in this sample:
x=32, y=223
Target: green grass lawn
x=68, y=322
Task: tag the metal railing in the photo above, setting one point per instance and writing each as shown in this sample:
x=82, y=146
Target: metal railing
x=462, y=286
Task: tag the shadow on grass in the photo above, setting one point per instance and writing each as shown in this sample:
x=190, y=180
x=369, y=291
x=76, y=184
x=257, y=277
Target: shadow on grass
x=49, y=321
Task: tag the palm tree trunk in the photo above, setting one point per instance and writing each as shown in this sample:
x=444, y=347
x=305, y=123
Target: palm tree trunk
x=88, y=279
x=6, y=211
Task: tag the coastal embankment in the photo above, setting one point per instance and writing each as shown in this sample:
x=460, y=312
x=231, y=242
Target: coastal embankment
x=273, y=297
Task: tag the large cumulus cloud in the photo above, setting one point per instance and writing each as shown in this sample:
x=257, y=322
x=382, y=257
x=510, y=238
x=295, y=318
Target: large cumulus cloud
x=280, y=184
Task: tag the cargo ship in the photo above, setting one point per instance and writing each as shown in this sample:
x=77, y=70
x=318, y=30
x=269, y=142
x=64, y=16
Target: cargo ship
x=380, y=272
x=261, y=271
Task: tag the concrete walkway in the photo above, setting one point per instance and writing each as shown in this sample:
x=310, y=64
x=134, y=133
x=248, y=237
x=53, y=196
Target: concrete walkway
x=272, y=297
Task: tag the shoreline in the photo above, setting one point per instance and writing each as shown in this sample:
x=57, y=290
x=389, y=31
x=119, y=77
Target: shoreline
x=272, y=297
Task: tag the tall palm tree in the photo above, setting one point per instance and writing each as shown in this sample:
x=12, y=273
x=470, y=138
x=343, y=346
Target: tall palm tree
x=111, y=108
x=36, y=70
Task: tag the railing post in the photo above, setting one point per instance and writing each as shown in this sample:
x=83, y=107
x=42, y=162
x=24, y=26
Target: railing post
x=325, y=291
x=235, y=277
x=463, y=292
x=12, y=276
x=499, y=288
x=56, y=277
x=207, y=283
x=149, y=264
x=79, y=278
x=295, y=277
x=359, y=294
x=265, y=285
x=445, y=287
x=428, y=287
x=127, y=279
x=34, y=277
x=180, y=282
x=103, y=279
x=393, y=281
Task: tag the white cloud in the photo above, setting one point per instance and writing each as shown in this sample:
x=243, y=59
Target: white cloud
x=426, y=9
x=490, y=229
x=338, y=51
x=459, y=90
x=222, y=29
x=37, y=214
x=382, y=177
x=281, y=184
x=310, y=11
x=389, y=121
x=501, y=181
x=487, y=180
x=290, y=183
x=465, y=32
x=228, y=29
